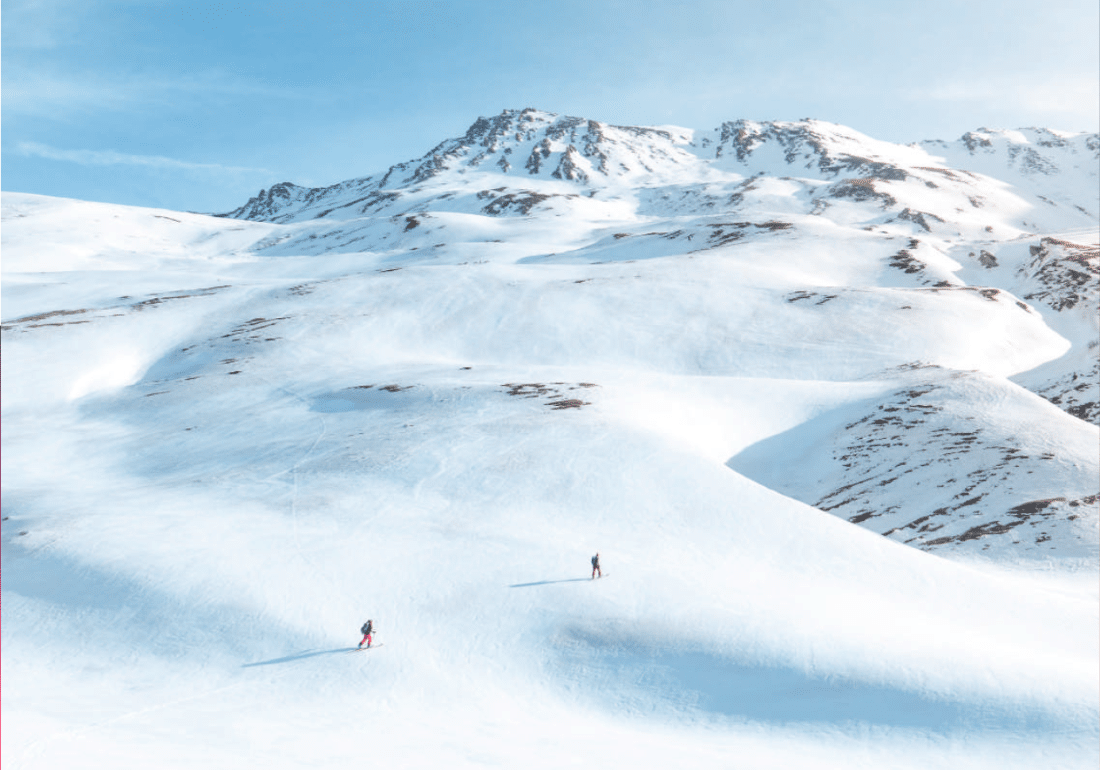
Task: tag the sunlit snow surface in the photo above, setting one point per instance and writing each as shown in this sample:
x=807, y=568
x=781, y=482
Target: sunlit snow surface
x=227, y=443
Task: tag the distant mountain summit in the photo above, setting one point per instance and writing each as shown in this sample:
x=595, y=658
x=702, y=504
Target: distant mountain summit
x=519, y=143
x=551, y=146
x=1025, y=150
x=525, y=148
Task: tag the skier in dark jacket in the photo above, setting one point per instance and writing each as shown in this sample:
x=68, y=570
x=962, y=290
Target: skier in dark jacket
x=367, y=629
x=596, y=566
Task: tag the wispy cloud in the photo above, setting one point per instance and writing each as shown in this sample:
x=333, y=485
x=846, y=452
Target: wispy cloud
x=112, y=158
x=75, y=96
x=1074, y=98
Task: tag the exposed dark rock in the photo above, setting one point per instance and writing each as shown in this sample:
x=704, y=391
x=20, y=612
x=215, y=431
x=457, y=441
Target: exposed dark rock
x=522, y=202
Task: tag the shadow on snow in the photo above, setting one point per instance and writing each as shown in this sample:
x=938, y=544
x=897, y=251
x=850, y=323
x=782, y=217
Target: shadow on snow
x=549, y=582
x=298, y=656
x=639, y=677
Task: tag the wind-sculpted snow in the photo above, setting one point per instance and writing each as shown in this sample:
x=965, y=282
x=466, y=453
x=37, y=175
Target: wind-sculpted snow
x=826, y=406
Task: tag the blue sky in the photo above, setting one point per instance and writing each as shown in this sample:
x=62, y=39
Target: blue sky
x=197, y=105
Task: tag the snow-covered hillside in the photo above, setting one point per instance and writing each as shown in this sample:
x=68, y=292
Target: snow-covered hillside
x=730, y=361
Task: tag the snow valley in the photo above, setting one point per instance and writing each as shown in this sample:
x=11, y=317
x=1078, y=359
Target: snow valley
x=826, y=406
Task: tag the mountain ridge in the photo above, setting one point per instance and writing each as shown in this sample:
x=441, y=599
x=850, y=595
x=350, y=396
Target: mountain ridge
x=566, y=148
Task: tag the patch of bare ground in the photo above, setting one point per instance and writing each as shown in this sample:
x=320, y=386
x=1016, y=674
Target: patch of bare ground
x=1034, y=512
x=249, y=331
x=50, y=318
x=520, y=202
x=553, y=391
x=906, y=262
x=723, y=233
x=862, y=189
x=796, y=296
x=388, y=388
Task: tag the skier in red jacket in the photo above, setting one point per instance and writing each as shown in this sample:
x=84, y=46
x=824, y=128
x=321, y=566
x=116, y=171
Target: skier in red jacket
x=367, y=629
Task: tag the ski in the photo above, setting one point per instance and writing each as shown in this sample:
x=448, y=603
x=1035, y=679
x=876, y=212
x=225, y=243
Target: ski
x=364, y=649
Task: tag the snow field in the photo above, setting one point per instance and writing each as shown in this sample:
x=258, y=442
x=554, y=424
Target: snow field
x=217, y=489
x=807, y=600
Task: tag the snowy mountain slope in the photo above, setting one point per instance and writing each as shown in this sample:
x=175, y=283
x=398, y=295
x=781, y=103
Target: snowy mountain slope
x=819, y=246
x=535, y=145
x=967, y=446
x=227, y=443
x=920, y=221
x=1058, y=167
x=832, y=163
x=1058, y=274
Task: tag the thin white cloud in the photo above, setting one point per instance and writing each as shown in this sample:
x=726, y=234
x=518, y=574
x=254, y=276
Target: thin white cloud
x=1074, y=98
x=112, y=158
x=59, y=95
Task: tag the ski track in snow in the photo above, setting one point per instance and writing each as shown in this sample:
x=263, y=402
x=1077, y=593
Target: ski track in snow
x=729, y=361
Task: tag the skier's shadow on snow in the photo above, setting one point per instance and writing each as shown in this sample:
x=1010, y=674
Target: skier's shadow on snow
x=549, y=582
x=297, y=656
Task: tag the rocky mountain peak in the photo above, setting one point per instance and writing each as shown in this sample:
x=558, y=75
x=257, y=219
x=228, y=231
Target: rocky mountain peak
x=271, y=201
x=546, y=144
x=813, y=147
x=531, y=151
x=1031, y=152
